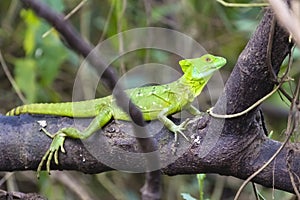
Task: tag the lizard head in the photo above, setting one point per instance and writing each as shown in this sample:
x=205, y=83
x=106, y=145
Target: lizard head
x=201, y=68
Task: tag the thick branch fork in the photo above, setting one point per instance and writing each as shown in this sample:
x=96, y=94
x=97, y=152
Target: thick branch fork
x=234, y=147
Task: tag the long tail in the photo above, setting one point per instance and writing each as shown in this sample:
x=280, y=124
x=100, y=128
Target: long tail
x=68, y=109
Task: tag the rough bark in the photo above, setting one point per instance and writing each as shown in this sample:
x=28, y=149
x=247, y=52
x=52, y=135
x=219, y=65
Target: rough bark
x=234, y=147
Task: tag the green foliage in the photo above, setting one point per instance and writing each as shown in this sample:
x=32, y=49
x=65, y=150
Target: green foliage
x=201, y=179
x=50, y=189
x=32, y=23
x=43, y=58
x=44, y=68
x=25, y=76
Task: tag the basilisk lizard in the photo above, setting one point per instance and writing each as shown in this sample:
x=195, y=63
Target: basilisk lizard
x=155, y=102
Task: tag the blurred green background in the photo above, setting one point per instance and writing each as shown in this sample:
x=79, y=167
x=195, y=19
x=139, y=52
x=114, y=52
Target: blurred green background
x=44, y=70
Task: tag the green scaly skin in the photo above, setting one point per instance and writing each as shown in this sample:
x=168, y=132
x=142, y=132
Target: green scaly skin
x=155, y=102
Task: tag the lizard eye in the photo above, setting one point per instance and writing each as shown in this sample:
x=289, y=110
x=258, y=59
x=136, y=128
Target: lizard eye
x=208, y=59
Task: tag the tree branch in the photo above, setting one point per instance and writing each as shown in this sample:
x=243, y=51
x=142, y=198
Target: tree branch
x=107, y=75
x=234, y=147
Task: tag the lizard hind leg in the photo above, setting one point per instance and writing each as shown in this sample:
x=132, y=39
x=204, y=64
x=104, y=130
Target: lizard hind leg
x=58, y=139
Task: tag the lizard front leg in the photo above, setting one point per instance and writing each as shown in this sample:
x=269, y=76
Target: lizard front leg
x=162, y=116
x=193, y=110
x=58, y=138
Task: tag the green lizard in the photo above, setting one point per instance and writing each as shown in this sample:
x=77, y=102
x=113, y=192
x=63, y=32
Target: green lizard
x=155, y=102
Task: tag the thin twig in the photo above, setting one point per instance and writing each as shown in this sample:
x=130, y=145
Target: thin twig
x=273, y=178
x=11, y=79
x=255, y=191
x=286, y=74
x=243, y=5
x=107, y=21
x=146, y=144
x=221, y=116
x=296, y=118
x=269, y=49
x=268, y=162
x=269, y=58
x=73, y=184
x=6, y=177
x=120, y=36
x=110, y=186
x=289, y=131
x=283, y=79
x=73, y=11
x=292, y=177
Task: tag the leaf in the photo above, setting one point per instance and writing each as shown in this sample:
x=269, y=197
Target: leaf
x=32, y=24
x=47, y=53
x=25, y=75
x=53, y=54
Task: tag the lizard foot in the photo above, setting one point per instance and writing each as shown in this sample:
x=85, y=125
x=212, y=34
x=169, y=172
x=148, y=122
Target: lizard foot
x=178, y=129
x=58, y=140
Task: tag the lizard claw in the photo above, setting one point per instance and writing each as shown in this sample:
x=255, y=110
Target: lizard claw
x=180, y=128
x=56, y=145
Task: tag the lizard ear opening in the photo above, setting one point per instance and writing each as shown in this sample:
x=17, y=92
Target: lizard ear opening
x=185, y=65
